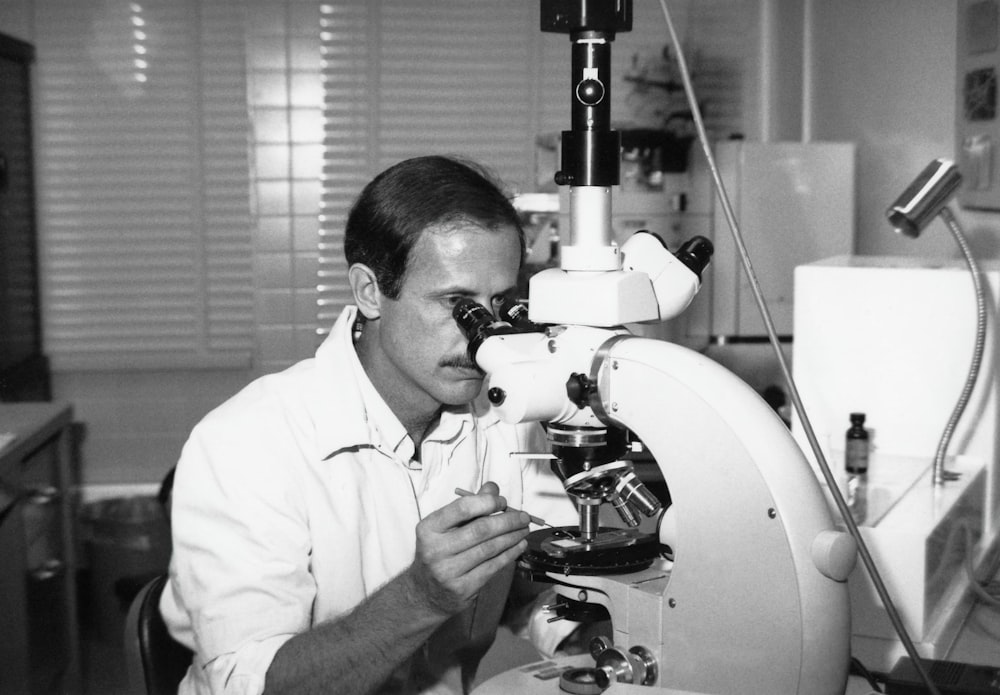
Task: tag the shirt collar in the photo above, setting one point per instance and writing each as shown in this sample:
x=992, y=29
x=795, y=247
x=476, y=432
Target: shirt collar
x=340, y=423
x=342, y=385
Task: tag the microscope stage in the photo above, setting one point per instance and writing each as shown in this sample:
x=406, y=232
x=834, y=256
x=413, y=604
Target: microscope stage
x=613, y=551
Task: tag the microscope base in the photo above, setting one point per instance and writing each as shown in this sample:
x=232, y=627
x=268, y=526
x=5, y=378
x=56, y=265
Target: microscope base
x=542, y=678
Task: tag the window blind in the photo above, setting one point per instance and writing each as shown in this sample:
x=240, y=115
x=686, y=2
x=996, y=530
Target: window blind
x=144, y=183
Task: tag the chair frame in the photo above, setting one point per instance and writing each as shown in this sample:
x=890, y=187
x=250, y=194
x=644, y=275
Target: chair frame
x=155, y=662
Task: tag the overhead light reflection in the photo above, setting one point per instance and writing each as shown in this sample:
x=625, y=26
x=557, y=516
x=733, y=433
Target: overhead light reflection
x=139, y=47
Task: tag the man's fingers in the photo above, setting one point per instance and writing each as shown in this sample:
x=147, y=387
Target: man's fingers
x=464, y=509
x=458, y=551
x=474, y=567
x=461, y=545
x=483, y=572
x=496, y=547
x=449, y=588
x=458, y=539
x=489, y=488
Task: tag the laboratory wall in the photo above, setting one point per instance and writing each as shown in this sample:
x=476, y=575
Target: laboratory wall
x=880, y=74
x=134, y=421
x=883, y=76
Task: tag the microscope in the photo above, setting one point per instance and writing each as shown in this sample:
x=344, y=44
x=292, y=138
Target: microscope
x=741, y=586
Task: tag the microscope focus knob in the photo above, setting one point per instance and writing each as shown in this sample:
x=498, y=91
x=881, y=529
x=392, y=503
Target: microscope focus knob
x=578, y=389
x=604, y=676
x=599, y=644
x=834, y=553
x=636, y=666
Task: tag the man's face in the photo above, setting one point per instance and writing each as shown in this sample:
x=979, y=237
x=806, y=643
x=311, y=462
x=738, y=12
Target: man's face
x=424, y=354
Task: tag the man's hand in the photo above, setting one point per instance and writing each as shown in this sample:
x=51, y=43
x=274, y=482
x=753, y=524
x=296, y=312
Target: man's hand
x=459, y=548
x=462, y=545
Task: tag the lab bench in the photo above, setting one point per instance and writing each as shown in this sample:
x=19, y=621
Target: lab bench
x=39, y=652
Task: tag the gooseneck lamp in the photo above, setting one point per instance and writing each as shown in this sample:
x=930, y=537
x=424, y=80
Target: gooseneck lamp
x=926, y=198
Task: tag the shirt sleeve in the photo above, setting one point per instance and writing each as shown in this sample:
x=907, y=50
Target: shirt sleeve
x=243, y=672
x=240, y=581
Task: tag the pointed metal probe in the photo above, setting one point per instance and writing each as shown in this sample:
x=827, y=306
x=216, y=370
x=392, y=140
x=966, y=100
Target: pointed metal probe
x=534, y=519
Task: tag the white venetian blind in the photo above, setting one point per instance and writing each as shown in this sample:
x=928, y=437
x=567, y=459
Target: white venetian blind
x=144, y=204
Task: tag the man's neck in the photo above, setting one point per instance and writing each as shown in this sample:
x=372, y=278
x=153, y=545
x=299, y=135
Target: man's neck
x=418, y=416
x=419, y=430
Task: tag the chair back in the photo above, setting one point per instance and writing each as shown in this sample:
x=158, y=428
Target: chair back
x=155, y=661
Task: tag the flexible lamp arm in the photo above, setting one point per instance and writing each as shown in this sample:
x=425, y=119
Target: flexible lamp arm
x=926, y=198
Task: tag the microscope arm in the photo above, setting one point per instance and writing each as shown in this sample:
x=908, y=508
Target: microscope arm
x=756, y=599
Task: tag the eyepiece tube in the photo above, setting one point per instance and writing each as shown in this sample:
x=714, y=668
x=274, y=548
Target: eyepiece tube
x=476, y=322
x=923, y=199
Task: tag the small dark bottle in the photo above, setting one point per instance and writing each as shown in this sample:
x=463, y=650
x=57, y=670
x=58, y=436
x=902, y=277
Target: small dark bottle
x=856, y=464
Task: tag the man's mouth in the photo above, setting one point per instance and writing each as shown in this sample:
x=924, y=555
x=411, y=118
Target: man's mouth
x=464, y=365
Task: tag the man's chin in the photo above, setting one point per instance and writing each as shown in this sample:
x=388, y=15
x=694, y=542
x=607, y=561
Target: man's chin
x=465, y=390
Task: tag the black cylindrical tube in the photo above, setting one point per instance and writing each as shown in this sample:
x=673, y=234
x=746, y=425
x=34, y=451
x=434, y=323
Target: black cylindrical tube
x=591, y=151
x=591, y=158
x=591, y=99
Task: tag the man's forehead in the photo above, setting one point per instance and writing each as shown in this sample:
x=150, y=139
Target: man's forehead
x=451, y=254
x=464, y=224
x=459, y=235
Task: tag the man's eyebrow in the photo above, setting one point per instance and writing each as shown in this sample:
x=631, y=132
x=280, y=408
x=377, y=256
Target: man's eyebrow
x=467, y=292
x=455, y=289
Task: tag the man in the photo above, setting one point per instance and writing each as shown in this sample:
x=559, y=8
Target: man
x=319, y=545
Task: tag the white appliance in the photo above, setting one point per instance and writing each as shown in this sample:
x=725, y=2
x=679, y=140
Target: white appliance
x=893, y=337
x=795, y=204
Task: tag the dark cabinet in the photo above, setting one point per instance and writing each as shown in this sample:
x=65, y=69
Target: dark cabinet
x=39, y=652
x=24, y=374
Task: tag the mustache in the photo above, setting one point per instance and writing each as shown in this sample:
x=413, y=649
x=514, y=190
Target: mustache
x=460, y=361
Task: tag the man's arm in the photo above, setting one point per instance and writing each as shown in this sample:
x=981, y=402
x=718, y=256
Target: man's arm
x=459, y=548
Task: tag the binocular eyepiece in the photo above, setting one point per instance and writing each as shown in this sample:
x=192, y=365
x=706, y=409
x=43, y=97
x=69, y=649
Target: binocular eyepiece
x=478, y=323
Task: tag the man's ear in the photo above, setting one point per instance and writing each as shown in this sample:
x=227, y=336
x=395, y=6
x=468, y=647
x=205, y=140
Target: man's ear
x=364, y=286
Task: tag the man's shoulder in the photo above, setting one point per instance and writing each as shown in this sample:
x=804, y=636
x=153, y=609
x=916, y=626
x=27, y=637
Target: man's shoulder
x=267, y=400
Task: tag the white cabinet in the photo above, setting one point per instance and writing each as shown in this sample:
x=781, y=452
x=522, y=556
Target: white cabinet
x=794, y=203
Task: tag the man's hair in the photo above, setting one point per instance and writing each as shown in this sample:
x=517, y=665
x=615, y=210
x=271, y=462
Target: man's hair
x=407, y=199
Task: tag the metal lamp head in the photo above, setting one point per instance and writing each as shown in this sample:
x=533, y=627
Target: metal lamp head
x=923, y=199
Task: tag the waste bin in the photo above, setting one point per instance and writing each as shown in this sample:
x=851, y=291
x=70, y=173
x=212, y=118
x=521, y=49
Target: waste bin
x=127, y=542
